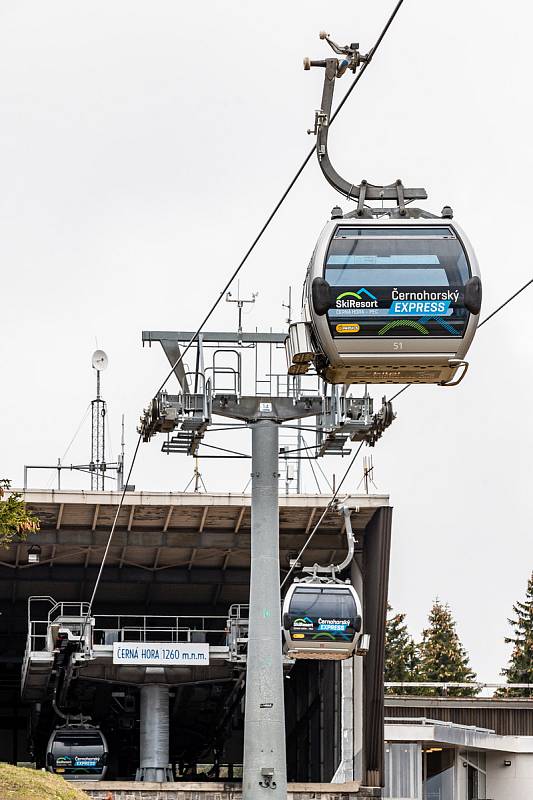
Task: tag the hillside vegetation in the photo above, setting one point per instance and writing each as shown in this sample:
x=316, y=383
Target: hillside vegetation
x=19, y=783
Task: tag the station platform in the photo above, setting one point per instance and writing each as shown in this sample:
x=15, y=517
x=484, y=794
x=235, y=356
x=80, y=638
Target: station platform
x=128, y=790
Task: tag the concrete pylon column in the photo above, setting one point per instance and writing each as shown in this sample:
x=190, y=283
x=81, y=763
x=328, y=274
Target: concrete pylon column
x=265, y=767
x=154, y=735
x=358, y=699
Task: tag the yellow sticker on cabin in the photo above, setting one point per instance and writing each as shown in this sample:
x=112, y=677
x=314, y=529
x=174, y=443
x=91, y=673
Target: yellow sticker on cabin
x=297, y=636
x=348, y=327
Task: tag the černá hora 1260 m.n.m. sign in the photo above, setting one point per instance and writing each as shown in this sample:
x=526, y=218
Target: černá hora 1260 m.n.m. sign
x=160, y=654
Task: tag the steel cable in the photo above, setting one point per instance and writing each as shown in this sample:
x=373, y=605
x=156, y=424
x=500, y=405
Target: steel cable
x=491, y=315
x=331, y=502
x=234, y=274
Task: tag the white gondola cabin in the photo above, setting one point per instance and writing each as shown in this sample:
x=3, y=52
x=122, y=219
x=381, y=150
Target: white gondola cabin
x=392, y=300
x=392, y=294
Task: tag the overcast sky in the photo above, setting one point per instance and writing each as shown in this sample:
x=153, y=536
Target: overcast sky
x=141, y=147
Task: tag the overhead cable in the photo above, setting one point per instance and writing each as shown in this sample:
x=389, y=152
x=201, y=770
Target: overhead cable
x=283, y=196
x=332, y=501
x=491, y=315
x=238, y=269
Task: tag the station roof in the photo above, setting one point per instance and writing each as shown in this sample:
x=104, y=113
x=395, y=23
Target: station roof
x=190, y=549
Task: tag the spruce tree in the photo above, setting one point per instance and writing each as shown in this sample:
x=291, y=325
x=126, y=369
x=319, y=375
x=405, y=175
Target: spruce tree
x=442, y=656
x=520, y=667
x=400, y=653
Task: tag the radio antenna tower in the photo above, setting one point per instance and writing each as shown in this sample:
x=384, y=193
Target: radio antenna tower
x=97, y=464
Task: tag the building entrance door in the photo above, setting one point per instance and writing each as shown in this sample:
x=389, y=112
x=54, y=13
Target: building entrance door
x=475, y=775
x=439, y=774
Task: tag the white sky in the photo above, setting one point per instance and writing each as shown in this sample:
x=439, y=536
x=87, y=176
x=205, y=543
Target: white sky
x=141, y=147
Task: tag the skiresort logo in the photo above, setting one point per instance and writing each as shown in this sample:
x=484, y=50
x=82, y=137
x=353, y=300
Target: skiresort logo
x=306, y=623
x=356, y=299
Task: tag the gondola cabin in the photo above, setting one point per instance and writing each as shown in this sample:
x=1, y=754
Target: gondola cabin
x=321, y=620
x=77, y=752
x=388, y=301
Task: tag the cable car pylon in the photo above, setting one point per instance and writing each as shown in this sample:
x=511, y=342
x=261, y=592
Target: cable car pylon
x=392, y=294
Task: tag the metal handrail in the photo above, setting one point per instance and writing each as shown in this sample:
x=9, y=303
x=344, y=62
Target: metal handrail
x=81, y=607
x=235, y=611
x=237, y=373
x=159, y=617
x=429, y=721
x=176, y=627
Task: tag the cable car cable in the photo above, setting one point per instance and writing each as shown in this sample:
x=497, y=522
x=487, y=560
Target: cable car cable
x=283, y=197
x=121, y=502
x=492, y=314
x=330, y=487
x=530, y=281
x=236, y=271
x=312, y=470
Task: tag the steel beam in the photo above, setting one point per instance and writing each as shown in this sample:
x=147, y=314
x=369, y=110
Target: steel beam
x=214, y=336
x=75, y=573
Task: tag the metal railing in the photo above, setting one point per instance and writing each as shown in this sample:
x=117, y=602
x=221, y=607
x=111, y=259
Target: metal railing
x=445, y=685
x=238, y=630
x=111, y=628
x=105, y=629
x=428, y=721
x=38, y=629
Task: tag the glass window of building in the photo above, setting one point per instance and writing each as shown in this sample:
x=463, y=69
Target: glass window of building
x=402, y=771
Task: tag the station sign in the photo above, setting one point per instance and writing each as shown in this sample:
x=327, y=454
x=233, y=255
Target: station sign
x=166, y=654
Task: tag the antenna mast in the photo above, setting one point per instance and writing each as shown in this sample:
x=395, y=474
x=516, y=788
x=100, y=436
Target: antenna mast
x=97, y=464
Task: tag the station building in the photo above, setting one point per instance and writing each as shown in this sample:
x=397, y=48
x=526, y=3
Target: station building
x=455, y=748
x=178, y=569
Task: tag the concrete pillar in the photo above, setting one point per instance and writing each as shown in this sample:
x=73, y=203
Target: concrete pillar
x=345, y=769
x=265, y=768
x=358, y=744
x=154, y=735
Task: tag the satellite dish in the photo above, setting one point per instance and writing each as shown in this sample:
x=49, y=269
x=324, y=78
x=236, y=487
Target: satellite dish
x=99, y=360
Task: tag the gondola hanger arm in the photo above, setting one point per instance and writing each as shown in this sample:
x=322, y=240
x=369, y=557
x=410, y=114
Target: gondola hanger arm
x=334, y=569
x=364, y=191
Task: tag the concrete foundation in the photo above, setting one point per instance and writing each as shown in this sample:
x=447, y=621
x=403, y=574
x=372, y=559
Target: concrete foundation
x=120, y=790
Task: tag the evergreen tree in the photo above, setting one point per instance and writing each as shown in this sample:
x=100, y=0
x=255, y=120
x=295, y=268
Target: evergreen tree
x=520, y=667
x=400, y=653
x=442, y=656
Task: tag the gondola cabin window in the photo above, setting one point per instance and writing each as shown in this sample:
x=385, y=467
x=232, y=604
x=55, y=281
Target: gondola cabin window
x=397, y=281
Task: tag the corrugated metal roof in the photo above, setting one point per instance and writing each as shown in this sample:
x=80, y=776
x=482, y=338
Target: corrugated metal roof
x=505, y=716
